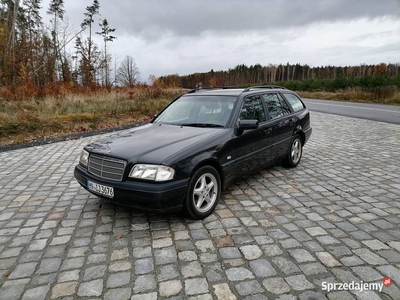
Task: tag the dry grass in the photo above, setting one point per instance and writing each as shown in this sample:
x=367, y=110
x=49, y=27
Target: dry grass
x=355, y=95
x=22, y=121
x=24, y=117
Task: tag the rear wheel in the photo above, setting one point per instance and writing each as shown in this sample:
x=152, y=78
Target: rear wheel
x=295, y=152
x=203, y=193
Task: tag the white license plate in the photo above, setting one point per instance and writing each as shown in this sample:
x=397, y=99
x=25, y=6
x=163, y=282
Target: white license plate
x=100, y=189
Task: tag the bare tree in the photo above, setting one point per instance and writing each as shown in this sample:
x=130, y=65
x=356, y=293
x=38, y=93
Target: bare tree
x=107, y=37
x=128, y=72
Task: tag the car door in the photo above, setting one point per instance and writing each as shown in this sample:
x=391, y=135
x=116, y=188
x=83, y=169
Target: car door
x=253, y=146
x=282, y=123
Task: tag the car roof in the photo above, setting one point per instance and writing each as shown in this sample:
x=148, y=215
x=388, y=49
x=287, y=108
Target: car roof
x=235, y=91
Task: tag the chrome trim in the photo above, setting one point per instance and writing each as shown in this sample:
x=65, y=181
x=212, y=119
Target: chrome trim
x=106, y=167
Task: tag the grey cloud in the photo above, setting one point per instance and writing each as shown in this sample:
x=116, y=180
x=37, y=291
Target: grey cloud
x=152, y=19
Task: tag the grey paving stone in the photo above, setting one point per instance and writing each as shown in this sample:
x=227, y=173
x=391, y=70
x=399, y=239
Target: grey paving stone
x=222, y=291
x=271, y=250
x=94, y=272
x=118, y=279
x=187, y=256
x=196, y=286
x=301, y=255
x=23, y=270
x=144, y=283
x=230, y=252
x=91, y=288
x=120, y=294
x=342, y=295
x=251, y=252
x=168, y=272
x=351, y=261
x=367, y=273
x=191, y=269
x=49, y=265
x=144, y=266
x=238, y=274
x=299, y=282
x=145, y=296
x=370, y=257
x=64, y=289
x=170, y=288
x=249, y=288
x=310, y=295
x=141, y=252
x=390, y=255
x=37, y=293
x=66, y=276
x=12, y=289
x=165, y=256
x=285, y=265
x=276, y=285
x=327, y=259
x=262, y=268
x=313, y=269
x=214, y=272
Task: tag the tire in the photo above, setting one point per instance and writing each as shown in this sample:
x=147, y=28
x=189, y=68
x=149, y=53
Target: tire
x=295, y=152
x=203, y=193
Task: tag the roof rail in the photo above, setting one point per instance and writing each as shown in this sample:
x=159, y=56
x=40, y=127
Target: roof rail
x=212, y=88
x=264, y=87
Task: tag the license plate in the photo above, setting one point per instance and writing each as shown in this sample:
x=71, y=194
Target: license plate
x=100, y=189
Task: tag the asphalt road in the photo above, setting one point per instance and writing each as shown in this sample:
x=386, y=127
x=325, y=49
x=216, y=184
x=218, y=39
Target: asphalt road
x=375, y=112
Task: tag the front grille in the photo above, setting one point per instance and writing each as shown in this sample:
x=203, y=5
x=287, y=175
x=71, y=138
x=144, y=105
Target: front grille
x=106, y=167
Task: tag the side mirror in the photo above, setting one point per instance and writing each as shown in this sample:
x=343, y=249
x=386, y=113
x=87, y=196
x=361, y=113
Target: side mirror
x=245, y=124
x=248, y=124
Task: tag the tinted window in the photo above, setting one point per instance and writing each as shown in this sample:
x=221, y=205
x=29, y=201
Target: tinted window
x=276, y=106
x=253, y=109
x=294, y=101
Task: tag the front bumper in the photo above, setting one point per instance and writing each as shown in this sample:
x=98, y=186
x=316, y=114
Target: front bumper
x=151, y=196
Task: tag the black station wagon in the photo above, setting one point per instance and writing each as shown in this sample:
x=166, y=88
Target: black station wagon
x=195, y=147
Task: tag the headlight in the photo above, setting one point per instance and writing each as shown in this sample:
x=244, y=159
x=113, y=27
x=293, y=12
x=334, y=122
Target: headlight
x=83, y=160
x=152, y=172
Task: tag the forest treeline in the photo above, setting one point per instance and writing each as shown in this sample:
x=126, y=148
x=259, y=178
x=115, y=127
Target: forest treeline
x=36, y=54
x=293, y=76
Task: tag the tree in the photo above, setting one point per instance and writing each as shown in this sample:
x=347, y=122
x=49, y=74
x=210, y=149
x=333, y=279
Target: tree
x=128, y=72
x=87, y=66
x=91, y=12
x=56, y=9
x=107, y=37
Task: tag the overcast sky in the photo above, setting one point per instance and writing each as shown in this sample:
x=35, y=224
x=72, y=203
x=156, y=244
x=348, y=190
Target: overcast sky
x=187, y=36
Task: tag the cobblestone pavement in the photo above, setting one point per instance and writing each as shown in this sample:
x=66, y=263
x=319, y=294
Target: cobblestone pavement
x=278, y=234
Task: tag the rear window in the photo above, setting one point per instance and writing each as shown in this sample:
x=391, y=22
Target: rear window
x=294, y=101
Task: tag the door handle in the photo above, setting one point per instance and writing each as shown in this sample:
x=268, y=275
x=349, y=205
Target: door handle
x=291, y=122
x=268, y=131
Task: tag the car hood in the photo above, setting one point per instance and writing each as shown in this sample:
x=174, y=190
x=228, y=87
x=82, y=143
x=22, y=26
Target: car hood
x=150, y=143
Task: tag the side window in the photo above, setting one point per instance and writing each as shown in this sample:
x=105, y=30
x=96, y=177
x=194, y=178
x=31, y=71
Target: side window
x=276, y=106
x=294, y=101
x=253, y=109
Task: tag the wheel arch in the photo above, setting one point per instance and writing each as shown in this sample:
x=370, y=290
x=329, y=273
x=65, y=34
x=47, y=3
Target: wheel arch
x=302, y=136
x=212, y=163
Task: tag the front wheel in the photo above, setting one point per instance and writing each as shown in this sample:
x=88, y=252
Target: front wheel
x=203, y=193
x=295, y=152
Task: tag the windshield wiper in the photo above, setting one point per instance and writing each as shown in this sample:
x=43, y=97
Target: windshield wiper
x=202, y=125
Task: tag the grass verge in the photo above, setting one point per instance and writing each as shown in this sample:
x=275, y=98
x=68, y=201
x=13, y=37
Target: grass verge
x=22, y=121
x=27, y=118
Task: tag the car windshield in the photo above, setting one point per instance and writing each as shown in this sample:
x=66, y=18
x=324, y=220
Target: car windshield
x=198, y=111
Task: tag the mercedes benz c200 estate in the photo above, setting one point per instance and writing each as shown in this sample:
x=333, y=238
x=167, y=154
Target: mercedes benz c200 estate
x=197, y=146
